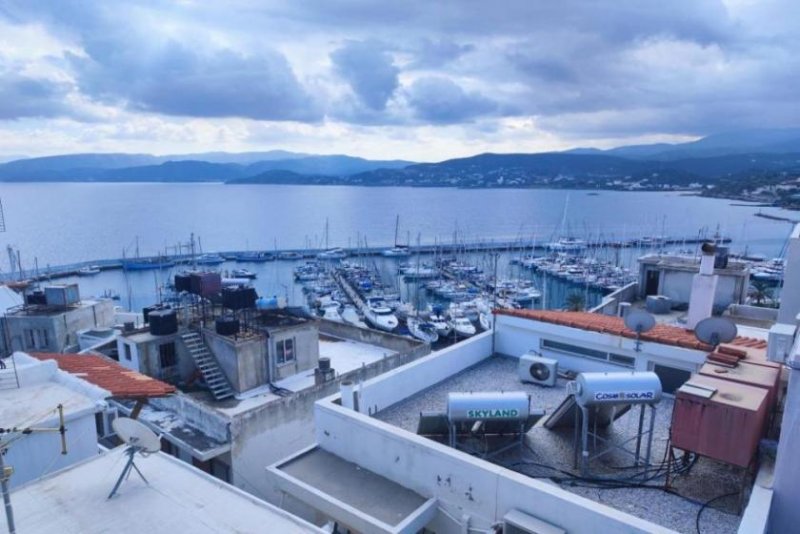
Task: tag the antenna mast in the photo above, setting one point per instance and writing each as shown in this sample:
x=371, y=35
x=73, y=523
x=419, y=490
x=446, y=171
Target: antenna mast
x=6, y=472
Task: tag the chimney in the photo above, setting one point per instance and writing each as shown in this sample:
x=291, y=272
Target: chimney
x=704, y=287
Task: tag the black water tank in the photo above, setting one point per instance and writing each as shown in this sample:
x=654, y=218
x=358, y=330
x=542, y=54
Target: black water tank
x=36, y=297
x=227, y=325
x=183, y=282
x=163, y=322
x=324, y=363
x=239, y=298
x=150, y=309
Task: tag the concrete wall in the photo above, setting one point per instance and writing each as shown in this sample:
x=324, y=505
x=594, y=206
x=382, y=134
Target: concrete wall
x=306, y=350
x=459, y=481
x=790, y=294
x=273, y=431
x=39, y=453
x=785, y=514
x=677, y=285
x=368, y=335
x=61, y=327
x=516, y=336
x=196, y=414
x=610, y=303
x=383, y=391
x=242, y=360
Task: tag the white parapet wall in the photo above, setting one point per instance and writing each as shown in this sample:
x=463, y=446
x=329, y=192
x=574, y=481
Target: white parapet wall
x=392, y=387
x=463, y=485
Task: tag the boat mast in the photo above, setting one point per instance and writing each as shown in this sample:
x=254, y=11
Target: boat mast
x=396, y=228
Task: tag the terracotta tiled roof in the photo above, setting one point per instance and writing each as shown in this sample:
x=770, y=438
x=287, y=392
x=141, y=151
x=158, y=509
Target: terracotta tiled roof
x=661, y=333
x=749, y=342
x=109, y=375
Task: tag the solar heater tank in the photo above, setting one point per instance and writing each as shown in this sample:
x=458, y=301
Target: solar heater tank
x=486, y=406
x=617, y=388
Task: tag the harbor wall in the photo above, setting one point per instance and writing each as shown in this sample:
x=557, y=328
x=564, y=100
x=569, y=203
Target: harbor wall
x=463, y=484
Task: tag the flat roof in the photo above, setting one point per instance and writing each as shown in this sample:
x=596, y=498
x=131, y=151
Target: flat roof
x=179, y=498
x=19, y=405
x=367, y=492
x=692, y=263
x=345, y=354
x=555, y=448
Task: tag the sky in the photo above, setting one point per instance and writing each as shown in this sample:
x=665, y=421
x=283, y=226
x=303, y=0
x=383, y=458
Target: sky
x=421, y=80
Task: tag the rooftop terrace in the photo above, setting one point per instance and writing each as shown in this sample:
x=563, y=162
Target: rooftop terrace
x=547, y=451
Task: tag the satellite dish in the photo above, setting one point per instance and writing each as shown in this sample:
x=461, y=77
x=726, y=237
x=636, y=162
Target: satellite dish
x=136, y=434
x=139, y=439
x=715, y=330
x=639, y=321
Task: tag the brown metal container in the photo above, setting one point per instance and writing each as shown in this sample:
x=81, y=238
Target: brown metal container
x=727, y=426
x=206, y=284
x=750, y=374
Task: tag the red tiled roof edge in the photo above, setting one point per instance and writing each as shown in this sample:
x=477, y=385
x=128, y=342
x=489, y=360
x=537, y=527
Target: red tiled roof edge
x=109, y=375
x=606, y=324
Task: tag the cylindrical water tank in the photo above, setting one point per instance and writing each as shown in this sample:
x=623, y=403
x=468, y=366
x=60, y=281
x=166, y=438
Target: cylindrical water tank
x=617, y=388
x=227, y=325
x=163, y=322
x=482, y=406
x=324, y=363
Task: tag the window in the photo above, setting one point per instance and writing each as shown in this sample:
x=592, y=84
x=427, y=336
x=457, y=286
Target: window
x=44, y=340
x=166, y=355
x=127, y=351
x=284, y=350
x=619, y=359
x=30, y=342
x=574, y=350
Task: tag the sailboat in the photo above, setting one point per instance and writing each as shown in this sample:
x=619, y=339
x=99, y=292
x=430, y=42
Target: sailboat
x=398, y=251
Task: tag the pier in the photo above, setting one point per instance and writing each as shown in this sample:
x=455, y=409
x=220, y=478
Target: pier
x=483, y=246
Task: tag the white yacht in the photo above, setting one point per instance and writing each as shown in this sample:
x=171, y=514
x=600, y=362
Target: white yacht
x=379, y=315
x=463, y=327
x=422, y=330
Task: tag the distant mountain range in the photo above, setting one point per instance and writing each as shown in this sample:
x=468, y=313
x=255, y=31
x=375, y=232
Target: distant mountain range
x=710, y=161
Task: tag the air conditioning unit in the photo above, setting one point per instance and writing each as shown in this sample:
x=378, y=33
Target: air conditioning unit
x=780, y=341
x=539, y=370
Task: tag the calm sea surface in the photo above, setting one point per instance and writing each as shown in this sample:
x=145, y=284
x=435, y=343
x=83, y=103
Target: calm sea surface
x=67, y=223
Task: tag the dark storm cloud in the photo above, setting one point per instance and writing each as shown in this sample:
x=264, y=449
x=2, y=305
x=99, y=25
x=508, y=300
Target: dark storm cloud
x=442, y=101
x=369, y=70
x=174, y=79
x=575, y=66
x=21, y=97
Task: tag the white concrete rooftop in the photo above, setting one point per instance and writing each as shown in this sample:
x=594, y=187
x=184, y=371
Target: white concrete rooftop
x=179, y=498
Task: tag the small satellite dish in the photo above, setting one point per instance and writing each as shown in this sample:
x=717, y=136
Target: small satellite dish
x=135, y=434
x=639, y=321
x=715, y=330
x=139, y=439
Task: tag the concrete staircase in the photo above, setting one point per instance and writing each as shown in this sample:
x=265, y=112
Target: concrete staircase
x=208, y=366
x=8, y=376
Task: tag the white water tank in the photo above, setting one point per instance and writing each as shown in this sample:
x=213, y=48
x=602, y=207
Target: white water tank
x=484, y=406
x=617, y=388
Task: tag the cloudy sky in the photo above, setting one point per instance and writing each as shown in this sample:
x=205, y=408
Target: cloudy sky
x=417, y=79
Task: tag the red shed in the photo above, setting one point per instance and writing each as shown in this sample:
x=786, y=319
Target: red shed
x=719, y=419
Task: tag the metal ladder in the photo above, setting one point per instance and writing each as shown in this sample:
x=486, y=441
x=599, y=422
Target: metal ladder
x=212, y=374
x=8, y=376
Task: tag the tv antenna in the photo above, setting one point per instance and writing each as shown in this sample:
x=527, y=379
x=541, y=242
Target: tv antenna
x=6, y=472
x=639, y=321
x=139, y=439
x=715, y=330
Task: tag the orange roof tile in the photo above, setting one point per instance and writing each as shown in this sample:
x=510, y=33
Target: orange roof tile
x=607, y=324
x=108, y=374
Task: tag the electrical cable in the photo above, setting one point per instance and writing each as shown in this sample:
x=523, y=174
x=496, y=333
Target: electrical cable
x=706, y=504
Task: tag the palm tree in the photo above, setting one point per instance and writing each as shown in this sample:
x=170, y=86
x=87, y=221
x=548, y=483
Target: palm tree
x=760, y=292
x=575, y=302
